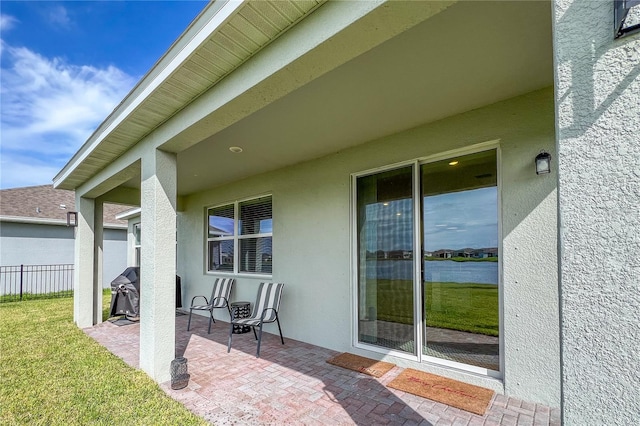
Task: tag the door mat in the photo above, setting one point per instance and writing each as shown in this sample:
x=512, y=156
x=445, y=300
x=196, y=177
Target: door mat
x=474, y=399
x=361, y=364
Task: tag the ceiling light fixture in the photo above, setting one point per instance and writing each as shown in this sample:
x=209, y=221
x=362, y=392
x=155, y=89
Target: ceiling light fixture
x=453, y=163
x=235, y=149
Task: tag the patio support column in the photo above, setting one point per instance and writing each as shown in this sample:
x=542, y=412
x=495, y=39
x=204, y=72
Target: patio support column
x=158, y=264
x=98, y=242
x=597, y=92
x=84, y=268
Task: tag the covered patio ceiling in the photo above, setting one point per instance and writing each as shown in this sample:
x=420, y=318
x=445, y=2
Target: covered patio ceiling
x=470, y=54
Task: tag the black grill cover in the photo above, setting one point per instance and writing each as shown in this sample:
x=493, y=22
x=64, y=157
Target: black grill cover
x=125, y=293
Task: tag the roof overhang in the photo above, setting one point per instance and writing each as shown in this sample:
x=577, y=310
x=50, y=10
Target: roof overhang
x=223, y=36
x=342, y=74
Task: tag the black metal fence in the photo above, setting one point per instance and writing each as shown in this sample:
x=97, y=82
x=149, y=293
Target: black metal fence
x=25, y=282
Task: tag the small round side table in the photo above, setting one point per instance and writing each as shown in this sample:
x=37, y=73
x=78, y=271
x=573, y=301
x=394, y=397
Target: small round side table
x=241, y=310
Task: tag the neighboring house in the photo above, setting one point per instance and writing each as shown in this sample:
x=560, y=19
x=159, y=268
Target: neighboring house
x=446, y=254
x=134, y=235
x=306, y=144
x=34, y=231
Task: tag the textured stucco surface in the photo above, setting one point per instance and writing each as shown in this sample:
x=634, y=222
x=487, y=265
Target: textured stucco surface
x=312, y=239
x=115, y=255
x=158, y=264
x=598, y=120
x=98, y=258
x=83, y=272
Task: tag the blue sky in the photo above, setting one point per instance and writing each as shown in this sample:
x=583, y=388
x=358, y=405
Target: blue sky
x=454, y=220
x=464, y=219
x=65, y=66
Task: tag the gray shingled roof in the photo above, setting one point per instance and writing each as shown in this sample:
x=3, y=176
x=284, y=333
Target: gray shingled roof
x=45, y=202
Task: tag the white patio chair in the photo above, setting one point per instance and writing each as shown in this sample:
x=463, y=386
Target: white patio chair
x=219, y=299
x=264, y=311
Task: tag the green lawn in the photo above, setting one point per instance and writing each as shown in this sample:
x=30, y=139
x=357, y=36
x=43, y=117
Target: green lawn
x=467, y=307
x=51, y=373
x=35, y=296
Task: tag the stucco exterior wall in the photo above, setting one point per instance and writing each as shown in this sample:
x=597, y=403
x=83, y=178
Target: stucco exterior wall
x=115, y=255
x=598, y=120
x=312, y=239
x=32, y=244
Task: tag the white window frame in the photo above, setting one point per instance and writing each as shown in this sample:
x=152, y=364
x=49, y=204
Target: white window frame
x=236, y=238
x=416, y=163
x=136, y=243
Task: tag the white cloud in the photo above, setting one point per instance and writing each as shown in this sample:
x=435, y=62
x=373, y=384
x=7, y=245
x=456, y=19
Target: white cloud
x=59, y=16
x=7, y=22
x=19, y=170
x=49, y=109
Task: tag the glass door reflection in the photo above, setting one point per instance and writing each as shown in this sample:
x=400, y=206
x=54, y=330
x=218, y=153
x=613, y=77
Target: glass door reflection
x=385, y=225
x=460, y=266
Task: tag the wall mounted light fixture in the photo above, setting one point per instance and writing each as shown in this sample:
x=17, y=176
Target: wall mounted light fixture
x=72, y=219
x=543, y=163
x=621, y=10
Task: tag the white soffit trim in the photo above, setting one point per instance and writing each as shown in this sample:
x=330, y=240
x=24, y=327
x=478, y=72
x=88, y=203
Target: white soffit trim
x=216, y=21
x=126, y=215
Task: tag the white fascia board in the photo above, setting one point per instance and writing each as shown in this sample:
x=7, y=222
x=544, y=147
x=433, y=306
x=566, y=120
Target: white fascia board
x=33, y=220
x=113, y=226
x=55, y=222
x=129, y=214
x=230, y=8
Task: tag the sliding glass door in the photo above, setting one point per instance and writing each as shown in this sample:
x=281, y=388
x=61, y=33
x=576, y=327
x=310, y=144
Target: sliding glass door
x=460, y=268
x=385, y=226
x=427, y=246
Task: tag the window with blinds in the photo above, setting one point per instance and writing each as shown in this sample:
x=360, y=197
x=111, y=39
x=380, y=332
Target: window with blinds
x=239, y=237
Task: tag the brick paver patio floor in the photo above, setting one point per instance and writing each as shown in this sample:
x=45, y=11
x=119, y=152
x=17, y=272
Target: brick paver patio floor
x=292, y=384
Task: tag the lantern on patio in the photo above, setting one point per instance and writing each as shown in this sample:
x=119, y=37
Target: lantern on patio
x=179, y=375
